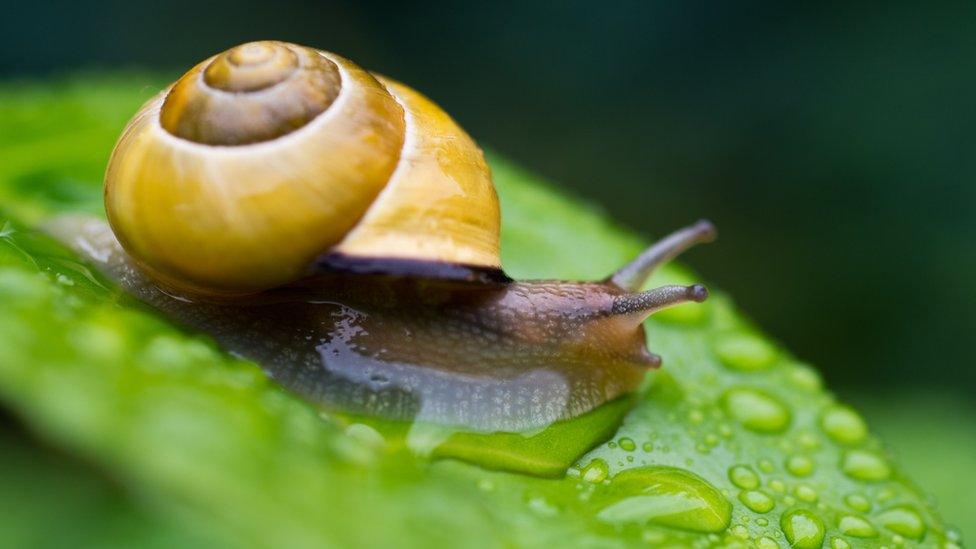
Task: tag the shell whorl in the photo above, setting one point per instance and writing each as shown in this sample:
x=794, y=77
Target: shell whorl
x=251, y=93
x=271, y=158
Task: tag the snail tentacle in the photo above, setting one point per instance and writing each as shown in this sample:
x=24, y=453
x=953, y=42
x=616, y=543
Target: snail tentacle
x=632, y=276
x=644, y=304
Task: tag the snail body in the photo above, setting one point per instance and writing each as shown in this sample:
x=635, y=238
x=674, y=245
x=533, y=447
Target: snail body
x=342, y=231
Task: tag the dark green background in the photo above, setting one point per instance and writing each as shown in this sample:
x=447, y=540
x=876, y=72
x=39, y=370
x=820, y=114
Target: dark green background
x=832, y=145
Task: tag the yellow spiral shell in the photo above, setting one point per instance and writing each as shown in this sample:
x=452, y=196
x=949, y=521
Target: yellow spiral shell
x=269, y=157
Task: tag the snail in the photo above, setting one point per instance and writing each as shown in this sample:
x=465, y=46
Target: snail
x=341, y=230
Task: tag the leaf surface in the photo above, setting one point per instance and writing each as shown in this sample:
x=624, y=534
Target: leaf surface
x=733, y=443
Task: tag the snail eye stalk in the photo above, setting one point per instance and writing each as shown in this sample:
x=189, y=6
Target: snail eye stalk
x=633, y=275
x=644, y=304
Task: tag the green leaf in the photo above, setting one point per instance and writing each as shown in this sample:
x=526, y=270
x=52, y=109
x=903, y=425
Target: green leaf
x=733, y=443
x=45, y=488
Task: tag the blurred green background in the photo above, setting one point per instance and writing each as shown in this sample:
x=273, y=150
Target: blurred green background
x=832, y=145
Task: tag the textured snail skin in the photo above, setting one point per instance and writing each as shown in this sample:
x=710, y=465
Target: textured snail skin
x=220, y=187
x=483, y=357
x=506, y=356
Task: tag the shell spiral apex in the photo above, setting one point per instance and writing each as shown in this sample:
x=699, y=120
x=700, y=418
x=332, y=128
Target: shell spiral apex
x=270, y=158
x=251, y=93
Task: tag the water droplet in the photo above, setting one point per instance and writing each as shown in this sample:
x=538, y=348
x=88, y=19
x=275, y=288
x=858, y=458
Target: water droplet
x=843, y=425
x=766, y=466
x=803, y=529
x=839, y=543
x=666, y=496
x=627, y=445
x=855, y=526
x=97, y=341
x=744, y=352
x=865, y=465
x=805, y=493
x=647, y=447
x=366, y=435
x=744, y=477
x=799, y=465
x=166, y=351
x=541, y=507
x=757, y=501
x=596, y=471
x=761, y=521
x=805, y=378
x=777, y=486
x=767, y=542
x=654, y=537
x=858, y=502
x=808, y=441
x=756, y=410
x=739, y=531
x=486, y=485
x=903, y=520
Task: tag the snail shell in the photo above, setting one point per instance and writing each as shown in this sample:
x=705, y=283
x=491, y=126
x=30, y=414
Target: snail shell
x=270, y=158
